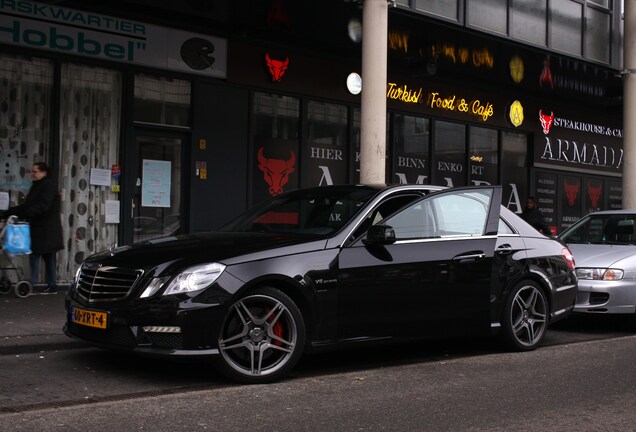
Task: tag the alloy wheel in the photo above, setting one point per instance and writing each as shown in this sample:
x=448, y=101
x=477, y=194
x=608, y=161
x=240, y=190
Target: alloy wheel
x=528, y=315
x=261, y=337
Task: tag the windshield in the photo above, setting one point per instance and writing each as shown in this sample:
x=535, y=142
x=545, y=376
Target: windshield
x=602, y=229
x=317, y=211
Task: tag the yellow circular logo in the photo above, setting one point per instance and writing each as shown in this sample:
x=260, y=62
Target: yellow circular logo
x=516, y=113
x=516, y=69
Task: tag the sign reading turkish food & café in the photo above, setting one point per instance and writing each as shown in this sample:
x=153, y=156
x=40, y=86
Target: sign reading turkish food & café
x=477, y=108
x=567, y=142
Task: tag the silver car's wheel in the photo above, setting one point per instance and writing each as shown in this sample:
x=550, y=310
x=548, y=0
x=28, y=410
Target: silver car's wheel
x=525, y=318
x=262, y=337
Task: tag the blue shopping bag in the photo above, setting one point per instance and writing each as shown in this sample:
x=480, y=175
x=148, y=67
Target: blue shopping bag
x=17, y=239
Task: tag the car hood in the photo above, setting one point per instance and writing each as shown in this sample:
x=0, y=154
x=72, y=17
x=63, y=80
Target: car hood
x=590, y=255
x=224, y=247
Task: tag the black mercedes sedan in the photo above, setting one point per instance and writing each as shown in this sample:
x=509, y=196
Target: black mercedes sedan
x=327, y=267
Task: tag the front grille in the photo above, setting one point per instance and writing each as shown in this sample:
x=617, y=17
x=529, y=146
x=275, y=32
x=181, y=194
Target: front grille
x=598, y=298
x=166, y=340
x=100, y=283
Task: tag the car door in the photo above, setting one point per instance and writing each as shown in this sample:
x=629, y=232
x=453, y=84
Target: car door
x=433, y=279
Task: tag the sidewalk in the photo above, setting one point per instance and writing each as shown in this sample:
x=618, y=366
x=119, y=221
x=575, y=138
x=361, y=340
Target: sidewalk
x=33, y=324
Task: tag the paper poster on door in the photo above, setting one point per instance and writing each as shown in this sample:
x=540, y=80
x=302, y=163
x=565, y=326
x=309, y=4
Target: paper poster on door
x=156, y=182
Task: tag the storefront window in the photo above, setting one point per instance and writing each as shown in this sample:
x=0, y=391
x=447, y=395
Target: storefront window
x=482, y=156
x=89, y=142
x=488, y=14
x=25, y=127
x=598, y=35
x=514, y=176
x=275, y=145
x=449, y=151
x=325, y=151
x=411, y=144
x=162, y=101
x=529, y=20
x=354, y=157
x=445, y=8
x=566, y=21
x=25, y=105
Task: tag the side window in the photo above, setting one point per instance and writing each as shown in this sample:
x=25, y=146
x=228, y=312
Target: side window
x=457, y=213
x=504, y=228
x=385, y=208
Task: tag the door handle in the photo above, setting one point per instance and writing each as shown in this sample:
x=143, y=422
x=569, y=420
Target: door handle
x=469, y=257
x=504, y=249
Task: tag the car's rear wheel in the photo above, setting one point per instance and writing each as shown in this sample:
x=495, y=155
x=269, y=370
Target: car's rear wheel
x=525, y=317
x=262, y=337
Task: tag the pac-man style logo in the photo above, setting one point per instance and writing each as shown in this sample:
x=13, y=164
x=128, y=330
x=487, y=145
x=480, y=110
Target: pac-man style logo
x=516, y=113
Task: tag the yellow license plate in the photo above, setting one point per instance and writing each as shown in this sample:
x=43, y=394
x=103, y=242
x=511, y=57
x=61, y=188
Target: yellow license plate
x=90, y=318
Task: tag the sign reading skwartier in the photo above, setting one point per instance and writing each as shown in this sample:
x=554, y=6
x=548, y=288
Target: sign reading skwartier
x=49, y=27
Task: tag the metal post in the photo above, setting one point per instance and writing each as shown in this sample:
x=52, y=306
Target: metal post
x=373, y=97
x=629, y=107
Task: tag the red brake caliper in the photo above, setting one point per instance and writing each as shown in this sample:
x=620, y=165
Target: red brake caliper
x=277, y=329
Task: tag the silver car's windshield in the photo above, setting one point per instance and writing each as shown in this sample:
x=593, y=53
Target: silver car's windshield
x=602, y=229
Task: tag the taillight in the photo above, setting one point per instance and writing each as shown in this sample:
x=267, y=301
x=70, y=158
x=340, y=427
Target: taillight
x=568, y=258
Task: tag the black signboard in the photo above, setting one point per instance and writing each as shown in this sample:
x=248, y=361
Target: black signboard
x=614, y=194
x=571, y=200
x=546, y=197
x=594, y=199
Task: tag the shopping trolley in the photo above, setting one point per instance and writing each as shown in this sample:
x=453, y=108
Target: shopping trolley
x=21, y=288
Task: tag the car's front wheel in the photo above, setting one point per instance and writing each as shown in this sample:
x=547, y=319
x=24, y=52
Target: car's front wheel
x=262, y=337
x=525, y=317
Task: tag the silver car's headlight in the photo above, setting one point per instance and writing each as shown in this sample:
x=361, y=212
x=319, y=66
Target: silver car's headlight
x=189, y=280
x=599, y=274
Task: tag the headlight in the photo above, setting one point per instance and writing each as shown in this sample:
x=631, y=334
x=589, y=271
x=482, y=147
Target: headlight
x=73, y=285
x=599, y=274
x=194, y=278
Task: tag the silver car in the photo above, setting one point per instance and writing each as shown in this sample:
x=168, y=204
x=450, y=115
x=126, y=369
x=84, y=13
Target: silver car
x=604, y=248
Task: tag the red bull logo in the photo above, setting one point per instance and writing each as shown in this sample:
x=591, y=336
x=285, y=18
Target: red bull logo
x=571, y=191
x=594, y=193
x=277, y=68
x=546, y=121
x=276, y=171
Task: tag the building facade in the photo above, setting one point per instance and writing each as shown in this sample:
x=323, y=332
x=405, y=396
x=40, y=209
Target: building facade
x=161, y=119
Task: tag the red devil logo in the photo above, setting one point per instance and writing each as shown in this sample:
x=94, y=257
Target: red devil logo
x=571, y=191
x=594, y=192
x=546, y=121
x=277, y=68
x=276, y=171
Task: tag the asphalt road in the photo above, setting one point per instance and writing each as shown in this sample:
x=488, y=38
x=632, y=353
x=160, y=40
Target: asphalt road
x=582, y=379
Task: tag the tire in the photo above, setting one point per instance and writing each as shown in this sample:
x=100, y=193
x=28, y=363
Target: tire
x=262, y=337
x=23, y=289
x=525, y=317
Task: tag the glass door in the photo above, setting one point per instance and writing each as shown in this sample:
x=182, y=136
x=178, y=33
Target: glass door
x=157, y=201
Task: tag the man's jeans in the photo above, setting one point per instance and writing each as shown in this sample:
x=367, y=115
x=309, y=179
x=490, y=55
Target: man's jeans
x=49, y=267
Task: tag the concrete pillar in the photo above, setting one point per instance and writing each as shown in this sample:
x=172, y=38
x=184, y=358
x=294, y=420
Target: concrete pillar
x=629, y=107
x=373, y=98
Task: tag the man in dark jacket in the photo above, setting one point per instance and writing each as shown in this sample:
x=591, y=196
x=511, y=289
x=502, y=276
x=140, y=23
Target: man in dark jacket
x=41, y=209
x=534, y=217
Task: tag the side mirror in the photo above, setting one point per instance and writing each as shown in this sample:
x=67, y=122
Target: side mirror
x=379, y=235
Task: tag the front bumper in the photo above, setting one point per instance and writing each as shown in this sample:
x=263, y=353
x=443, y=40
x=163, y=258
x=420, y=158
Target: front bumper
x=612, y=297
x=138, y=327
